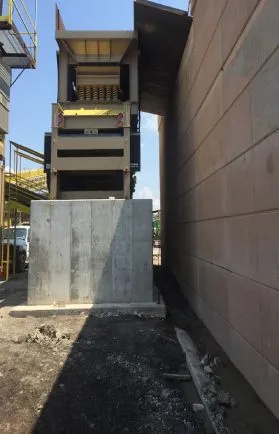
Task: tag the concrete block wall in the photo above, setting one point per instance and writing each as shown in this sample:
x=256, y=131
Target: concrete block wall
x=90, y=251
x=219, y=147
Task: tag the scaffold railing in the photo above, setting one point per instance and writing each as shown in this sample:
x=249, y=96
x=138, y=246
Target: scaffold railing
x=21, y=187
x=18, y=32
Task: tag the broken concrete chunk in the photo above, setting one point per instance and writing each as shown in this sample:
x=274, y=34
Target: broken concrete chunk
x=198, y=407
x=216, y=362
x=208, y=370
x=205, y=359
x=179, y=377
x=225, y=399
x=47, y=334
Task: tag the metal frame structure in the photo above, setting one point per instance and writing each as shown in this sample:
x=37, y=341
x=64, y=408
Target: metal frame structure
x=18, y=50
x=21, y=186
x=93, y=149
x=156, y=238
x=18, y=34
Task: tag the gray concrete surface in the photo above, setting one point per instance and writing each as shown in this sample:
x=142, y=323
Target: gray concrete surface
x=90, y=251
x=148, y=309
x=219, y=182
x=92, y=374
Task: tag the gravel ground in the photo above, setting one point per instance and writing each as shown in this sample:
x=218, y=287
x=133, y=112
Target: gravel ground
x=227, y=391
x=91, y=374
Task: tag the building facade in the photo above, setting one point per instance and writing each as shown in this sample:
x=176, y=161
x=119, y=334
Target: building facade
x=219, y=157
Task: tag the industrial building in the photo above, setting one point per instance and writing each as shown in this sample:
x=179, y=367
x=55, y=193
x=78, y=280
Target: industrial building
x=18, y=45
x=213, y=83
x=93, y=150
x=18, y=53
x=219, y=182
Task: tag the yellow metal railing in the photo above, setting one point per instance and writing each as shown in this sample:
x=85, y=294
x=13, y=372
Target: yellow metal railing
x=15, y=13
x=21, y=187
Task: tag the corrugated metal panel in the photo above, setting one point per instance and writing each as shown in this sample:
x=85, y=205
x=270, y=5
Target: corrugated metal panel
x=5, y=82
x=5, y=79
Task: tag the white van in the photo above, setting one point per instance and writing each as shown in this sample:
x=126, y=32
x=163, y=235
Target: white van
x=20, y=234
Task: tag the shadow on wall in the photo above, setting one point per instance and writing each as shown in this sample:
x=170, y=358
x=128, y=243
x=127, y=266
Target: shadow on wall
x=104, y=384
x=91, y=252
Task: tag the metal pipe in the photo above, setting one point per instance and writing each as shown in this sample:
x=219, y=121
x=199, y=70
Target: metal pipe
x=36, y=12
x=23, y=22
x=27, y=13
x=2, y=214
x=15, y=215
x=17, y=77
x=2, y=246
x=10, y=171
x=26, y=149
x=14, y=251
x=10, y=13
x=8, y=248
x=1, y=6
x=35, y=160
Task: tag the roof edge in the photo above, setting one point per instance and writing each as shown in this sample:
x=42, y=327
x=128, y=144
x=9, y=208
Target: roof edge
x=162, y=7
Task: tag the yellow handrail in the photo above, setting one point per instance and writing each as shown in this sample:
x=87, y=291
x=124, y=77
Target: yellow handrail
x=26, y=23
x=10, y=13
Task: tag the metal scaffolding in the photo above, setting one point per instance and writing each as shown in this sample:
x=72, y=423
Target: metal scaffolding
x=21, y=186
x=156, y=224
x=18, y=36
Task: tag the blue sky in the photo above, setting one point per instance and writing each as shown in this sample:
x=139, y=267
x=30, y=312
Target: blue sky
x=33, y=93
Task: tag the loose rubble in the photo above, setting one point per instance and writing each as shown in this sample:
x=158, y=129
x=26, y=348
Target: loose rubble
x=198, y=407
x=208, y=370
x=45, y=334
x=225, y=399
x=217, y=400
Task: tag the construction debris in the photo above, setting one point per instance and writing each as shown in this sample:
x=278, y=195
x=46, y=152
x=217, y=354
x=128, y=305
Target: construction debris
x=179, y=377
x=198, y=407
x=225, y=399
x=208, y=370
x=205, y=359
x=45, y=334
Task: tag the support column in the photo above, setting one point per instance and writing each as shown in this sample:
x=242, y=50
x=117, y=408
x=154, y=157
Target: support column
x=127, y=159
x=53, y=185
x=2, y=178
x=126, y=182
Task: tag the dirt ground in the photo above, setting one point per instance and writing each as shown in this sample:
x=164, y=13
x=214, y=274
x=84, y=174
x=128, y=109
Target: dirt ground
x=249, y=415
x=91, y=374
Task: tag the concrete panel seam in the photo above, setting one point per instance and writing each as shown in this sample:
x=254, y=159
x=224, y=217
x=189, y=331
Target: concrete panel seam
x=229, y=271
x=205, y=95
x=224, y=60
x=228, y=163
x=195, y=79
x=241, y=32
x=230, y=326
x=242, y=35
x=224, y=112
x=231, y=216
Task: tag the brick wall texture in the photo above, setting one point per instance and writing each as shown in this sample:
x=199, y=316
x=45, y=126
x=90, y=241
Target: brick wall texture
x=219, y=158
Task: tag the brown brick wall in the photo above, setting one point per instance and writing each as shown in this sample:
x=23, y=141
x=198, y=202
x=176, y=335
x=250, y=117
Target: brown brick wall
x=219, y=160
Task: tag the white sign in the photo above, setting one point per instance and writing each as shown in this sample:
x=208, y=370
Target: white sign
x=91, y=131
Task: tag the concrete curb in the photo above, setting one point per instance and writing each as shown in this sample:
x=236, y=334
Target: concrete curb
x=145, y=309
x=200, y=379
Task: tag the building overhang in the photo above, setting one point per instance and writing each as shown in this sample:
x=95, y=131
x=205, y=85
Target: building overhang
x=94, y=46
x=162, y=34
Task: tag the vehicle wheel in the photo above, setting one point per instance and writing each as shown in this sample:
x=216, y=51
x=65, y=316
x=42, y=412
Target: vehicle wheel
x=20, y=263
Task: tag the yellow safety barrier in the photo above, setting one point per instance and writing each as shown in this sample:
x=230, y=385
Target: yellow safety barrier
x=91, y=112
